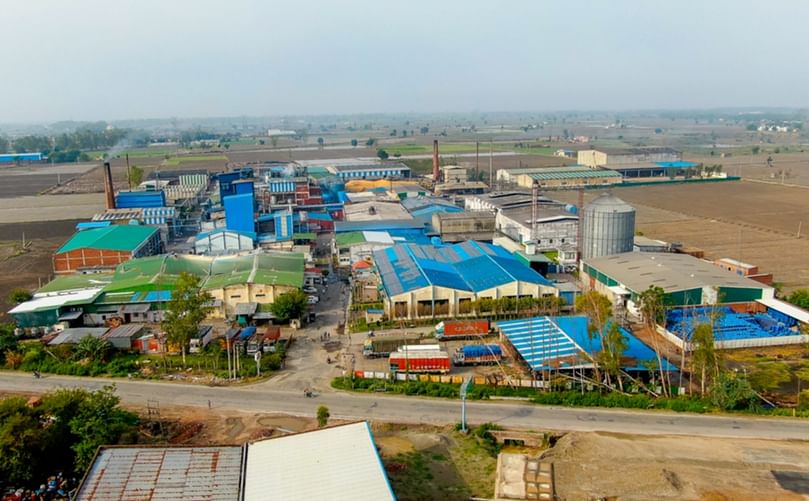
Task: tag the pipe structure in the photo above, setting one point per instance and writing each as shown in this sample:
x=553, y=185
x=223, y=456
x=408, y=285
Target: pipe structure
x=109, y=191
x=436, y=167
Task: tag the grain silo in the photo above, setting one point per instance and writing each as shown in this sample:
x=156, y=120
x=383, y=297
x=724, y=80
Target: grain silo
x=608, y=227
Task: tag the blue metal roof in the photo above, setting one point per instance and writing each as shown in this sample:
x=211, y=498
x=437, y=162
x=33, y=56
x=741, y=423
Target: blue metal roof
x=319, y=216
x=382, y=225
x=680, y=164
x=470, y=266
x=563, y=342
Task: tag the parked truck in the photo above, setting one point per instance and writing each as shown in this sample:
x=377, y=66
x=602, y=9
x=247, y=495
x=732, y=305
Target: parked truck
x=477, y=354
x=461, y=329
x=432, y=361
x=382, y=346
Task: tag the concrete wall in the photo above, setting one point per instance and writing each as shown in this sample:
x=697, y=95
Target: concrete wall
x=247, y=293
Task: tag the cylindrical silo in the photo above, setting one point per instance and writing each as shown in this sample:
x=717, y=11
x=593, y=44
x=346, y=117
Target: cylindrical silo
x=608, y=227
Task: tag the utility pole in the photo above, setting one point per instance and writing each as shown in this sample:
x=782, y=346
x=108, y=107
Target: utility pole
x=491, y=157
x=800, y=223
x=477, y=159
x=464, y=390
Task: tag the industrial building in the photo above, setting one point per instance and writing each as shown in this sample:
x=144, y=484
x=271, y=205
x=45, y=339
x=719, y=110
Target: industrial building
x=96, y=249
x=462, y=226
x=375, y=211
x=608, y=227
x=572, y=176
x=545, y=343
x=11, y=158
x=358, y=246
x=609, y=157
x=686, y=280
x=546, y=227
x=223, y=241
x=139, y=289
x=357, y=169
x=427, y=281
x=338, y=463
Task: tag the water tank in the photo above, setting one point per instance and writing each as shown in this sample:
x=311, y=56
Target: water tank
x=608, y=227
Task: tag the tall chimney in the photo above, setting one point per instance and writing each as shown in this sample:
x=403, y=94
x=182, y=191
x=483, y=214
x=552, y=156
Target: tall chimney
x=534, y=208
x=109, y=191
x=436, y=169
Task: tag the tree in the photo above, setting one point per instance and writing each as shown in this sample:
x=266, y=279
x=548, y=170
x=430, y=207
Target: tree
x=598, y=309
x=424, y=130
x=704, y=359
x=751, y=127
x=802, y=375
x=97, y=422
x=135, y=176
x=382, y=154
x=614, y=344
x=769, y=376
x=731, y=391
x=322, y=416
x=800, y=298
x=289, y=305
x=370, y=142
x=273, y=141
x=321, y=142
x=652, y=304
x=187, y=308
x=19, y=295
x=354, y=143
x=91, y=348
x=756, y=149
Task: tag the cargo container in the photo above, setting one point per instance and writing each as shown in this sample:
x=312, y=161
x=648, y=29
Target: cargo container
x=478, y=354
x=382, y=346
x=434, y=361
x=461, y=329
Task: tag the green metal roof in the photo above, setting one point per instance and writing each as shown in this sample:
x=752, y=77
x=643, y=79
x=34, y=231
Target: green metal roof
x=304, y=236
x=73, y=282
x=573, y=173
x=349, y=238
x=115, y=237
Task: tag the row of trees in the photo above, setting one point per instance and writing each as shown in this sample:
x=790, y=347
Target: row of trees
x=79, y=140
x=62, y=433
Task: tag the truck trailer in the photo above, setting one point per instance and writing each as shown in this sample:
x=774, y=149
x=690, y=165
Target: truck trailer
x=433, y=362
x=477, y=354
x=461, y=329
x=382, y=346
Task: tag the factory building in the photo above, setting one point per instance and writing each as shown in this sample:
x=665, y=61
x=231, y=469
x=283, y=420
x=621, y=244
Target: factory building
x=223, y=241
x=554, y=226
x=427, y=281
x=608, y=227
x=356, y=169
x=686, y=280
x=609, y=157
x=357, y=246
x=376, y=211
x=96, y=249
x=573, y=176
x=461, y=226
x=546, y=344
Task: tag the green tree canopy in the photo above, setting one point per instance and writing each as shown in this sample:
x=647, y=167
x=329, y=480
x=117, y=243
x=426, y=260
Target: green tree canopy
x=382, y=154
x=135, y=176
x=92, y=348
x=800, y=298
x=289, y=305
x=354, y=143
x=322, y=416
x=187, y=308
x=19, y=295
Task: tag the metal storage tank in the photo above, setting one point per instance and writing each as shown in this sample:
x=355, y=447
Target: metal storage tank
x=608, y=227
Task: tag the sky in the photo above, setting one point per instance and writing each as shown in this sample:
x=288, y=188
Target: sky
x=108, y=60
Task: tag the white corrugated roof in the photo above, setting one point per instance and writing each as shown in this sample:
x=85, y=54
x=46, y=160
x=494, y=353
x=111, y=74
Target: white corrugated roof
x=786, y=308
x=55, y=300
x=339, y=463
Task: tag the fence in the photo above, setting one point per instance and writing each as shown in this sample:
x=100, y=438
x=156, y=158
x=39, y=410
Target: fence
x=434, y=378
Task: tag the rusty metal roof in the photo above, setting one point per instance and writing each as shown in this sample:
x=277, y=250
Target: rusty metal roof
x=164, y=474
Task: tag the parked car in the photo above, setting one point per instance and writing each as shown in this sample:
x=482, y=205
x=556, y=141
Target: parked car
x=310, y=290
x=313, y=299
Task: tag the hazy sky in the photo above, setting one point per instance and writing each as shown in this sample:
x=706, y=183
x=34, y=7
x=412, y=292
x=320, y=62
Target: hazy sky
x=113, y=59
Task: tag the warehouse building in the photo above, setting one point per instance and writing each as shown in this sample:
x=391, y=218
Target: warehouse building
x=573, y=176
x=358, y=246
x=544, y=344
x=427, y=281
x=223, y=241
x=339, y=463
x=357, y=169
x=375, y=211
x=686, y=280
x=555, y=226
x=105, y=248
x=608, y=157
x=462, y=226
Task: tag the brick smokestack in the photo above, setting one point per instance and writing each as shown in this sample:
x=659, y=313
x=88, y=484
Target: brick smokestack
x=436, y=168
x=109, y=191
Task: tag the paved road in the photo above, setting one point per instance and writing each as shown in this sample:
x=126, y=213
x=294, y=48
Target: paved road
x=262, y=398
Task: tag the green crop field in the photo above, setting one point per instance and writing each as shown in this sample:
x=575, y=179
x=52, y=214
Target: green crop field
x=175, y=161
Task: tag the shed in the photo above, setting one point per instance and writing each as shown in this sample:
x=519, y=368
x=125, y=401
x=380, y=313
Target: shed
x=123, y=336
x=73, y=336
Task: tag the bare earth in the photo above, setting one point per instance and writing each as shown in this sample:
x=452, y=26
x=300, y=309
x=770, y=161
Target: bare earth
x=628, y=467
